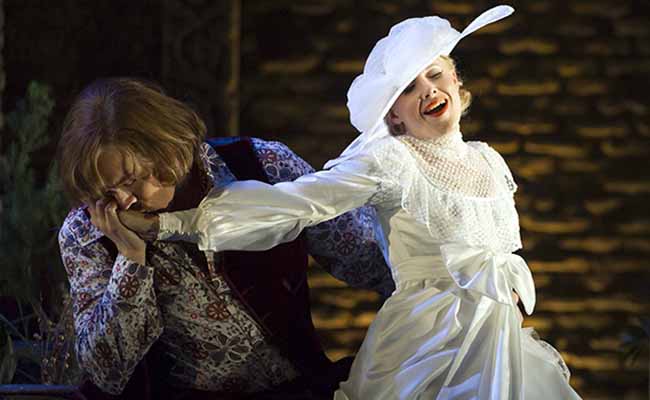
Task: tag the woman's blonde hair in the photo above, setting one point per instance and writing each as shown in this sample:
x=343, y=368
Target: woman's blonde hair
x=134, y=117
x=465, y=102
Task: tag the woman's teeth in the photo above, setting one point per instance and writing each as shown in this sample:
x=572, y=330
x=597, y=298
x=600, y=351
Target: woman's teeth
x=436, y=109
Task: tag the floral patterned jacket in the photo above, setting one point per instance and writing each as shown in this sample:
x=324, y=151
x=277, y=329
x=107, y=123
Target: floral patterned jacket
x=121, y=307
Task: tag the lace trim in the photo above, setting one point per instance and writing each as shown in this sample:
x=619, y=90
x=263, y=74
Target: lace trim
x=450, y=215
x=453, y=166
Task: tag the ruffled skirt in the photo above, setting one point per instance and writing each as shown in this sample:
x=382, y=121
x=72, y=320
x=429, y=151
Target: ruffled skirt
x=432, y=340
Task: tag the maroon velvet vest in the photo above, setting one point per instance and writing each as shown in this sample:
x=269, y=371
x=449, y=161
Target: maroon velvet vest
x=272, y=284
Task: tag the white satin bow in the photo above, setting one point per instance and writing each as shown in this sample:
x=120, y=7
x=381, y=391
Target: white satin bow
x=492, y=274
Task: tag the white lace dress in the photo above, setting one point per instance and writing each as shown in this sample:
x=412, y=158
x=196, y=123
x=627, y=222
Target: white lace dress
x=450, y=330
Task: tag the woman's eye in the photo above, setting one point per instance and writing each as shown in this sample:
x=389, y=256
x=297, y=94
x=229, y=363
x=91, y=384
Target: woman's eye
x=435, y=76
x=409, y=88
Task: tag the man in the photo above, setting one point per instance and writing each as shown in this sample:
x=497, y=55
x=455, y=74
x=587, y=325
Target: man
x=231, y=327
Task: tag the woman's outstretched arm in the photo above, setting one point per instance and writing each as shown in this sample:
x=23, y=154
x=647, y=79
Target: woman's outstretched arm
x=251, y=215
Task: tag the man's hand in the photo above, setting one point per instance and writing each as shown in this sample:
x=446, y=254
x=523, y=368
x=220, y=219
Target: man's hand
x=146, y=226
x=103, y=214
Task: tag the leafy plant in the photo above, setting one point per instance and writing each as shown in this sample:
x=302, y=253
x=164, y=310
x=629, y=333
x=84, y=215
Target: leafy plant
x=7, y=357
x=30, y=212
x=31, y=270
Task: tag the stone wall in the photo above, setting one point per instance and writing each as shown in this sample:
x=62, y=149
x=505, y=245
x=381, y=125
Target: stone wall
x=560, y=89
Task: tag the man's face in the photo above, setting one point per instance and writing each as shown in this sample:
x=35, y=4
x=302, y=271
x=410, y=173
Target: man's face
x=131, y=184
x=430, y=106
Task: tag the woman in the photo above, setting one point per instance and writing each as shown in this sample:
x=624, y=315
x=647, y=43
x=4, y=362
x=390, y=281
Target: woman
x=451, y=329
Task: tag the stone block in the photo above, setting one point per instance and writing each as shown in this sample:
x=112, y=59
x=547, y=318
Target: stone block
x=313, y=9
x=453, y=7
x=567, y=265
x=608, y=362
x=601, y=207
x=532, y=88
x=607, y=343
x=528, y=46
x=643, y=47
x=541, y=324
x=336, y=111
x=557, y=150
x=641, y=245
x=601, y=304
x=346, y=66
x=597, y=284
x=570, y=107
x=542, y=281
x=576, y=29
x=561, y=226
x=505, y=148
x=352, y=300
x=636, y=69
x=344, y=26
x=619, y=107
x=632, y=27
x=500, y=69
x=530, y=242
x=619, y=265
x=526, y=128
x=544, y=205
x=570, y=70
x=580, y=166
x=539, y=7
x=602, y=131
x=587, y=88
x=533, y=168
x=479, y=85
x=602, y=9
x=604, y=47
x=333, y=128
x=584, y=321
x=595, y=245
x=638, y=227
x=385, y=8
x=297, y=65
x=327, y=320
x=627, y=149
x=471, y=127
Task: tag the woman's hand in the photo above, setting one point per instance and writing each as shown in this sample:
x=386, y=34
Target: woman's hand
x=145, y=225
x=103, y=214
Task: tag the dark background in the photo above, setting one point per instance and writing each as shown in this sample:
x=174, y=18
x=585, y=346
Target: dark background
x=561, y=90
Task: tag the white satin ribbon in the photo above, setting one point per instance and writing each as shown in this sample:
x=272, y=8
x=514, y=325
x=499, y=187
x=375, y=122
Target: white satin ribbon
x=492, y=274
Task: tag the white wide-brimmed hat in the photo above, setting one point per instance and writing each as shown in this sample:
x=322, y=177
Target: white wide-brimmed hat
x=395, y=61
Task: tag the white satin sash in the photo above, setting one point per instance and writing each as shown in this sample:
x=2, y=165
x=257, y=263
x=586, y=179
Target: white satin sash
x=490, y=273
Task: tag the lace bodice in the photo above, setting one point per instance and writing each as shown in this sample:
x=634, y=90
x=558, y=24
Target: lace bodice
x=461, y=191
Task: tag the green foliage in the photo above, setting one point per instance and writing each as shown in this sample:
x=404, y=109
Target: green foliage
x=29, y=211
x=7, y=357
x=32, y=346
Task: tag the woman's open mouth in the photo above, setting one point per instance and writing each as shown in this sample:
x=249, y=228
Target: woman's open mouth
x=436, y=108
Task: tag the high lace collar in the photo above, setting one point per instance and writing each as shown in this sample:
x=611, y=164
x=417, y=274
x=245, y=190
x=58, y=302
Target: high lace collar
x=450, y=145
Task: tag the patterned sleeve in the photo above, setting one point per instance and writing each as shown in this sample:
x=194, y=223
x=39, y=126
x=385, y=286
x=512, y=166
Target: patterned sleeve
x=115, y=314
x=345, y=246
